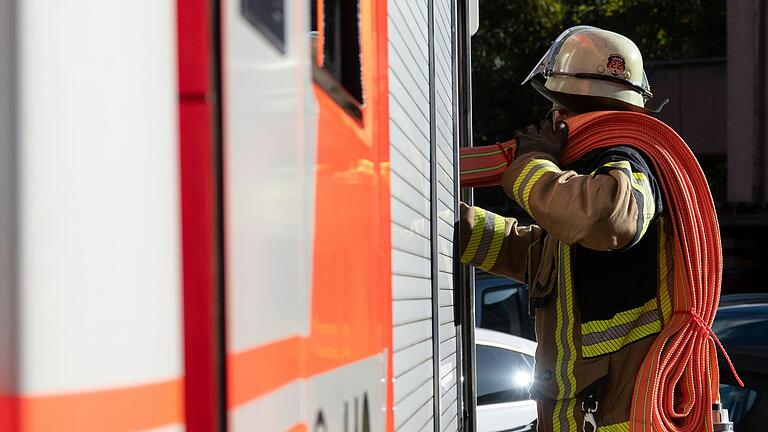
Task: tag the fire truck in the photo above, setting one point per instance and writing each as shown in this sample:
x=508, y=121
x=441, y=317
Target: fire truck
x=233, y=215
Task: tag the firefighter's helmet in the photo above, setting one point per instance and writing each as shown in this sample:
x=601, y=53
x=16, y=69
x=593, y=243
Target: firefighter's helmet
x=590, y=69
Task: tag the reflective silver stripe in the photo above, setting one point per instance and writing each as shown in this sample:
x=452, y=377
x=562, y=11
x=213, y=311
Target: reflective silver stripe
x=486, y=240
x=646, y=209
x=565, y=345
x=519, y=180
x=499, y=229
x=643, y=194
x=477, y=235
x=619, y=331
x=520, y=190
x=538, y=168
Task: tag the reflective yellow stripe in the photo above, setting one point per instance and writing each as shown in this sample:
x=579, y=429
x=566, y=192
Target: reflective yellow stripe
x=477, y=235
x=641, y=184
x=613, y=345
x=558, y=425
x=564, y=416
x=559, y=324
x=543, y=166
x=607, y=336
x=618, y=427
x=565, y=379
x=619, y=164
x=665, y=259
x=571, y=317
x=498, y=237
x=520, y=178
x=625, y=317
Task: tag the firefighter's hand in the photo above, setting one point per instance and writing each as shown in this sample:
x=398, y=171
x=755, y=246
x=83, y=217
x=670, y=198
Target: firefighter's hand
x=543, y=138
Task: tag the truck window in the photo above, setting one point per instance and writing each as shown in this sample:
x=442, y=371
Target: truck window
x=336, y=52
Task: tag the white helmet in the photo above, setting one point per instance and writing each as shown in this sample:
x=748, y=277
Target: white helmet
x=590, y=69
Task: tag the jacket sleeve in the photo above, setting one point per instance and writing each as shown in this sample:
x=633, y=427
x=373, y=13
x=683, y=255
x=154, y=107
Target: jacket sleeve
x=608, y=209
x=493, y=243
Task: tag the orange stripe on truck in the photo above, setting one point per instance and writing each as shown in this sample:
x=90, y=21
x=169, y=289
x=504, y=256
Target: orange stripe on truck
x=263, y=369
x=131, y=408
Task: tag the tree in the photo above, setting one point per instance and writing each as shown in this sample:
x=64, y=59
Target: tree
x=513, y=35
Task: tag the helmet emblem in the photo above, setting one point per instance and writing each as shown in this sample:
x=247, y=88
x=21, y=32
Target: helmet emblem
x=615, y=64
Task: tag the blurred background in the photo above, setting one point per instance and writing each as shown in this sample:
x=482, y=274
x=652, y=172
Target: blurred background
x=238, y=214
x=706, y=56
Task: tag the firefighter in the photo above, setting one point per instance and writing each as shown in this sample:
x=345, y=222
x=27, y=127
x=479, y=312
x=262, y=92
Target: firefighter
x=596, y=260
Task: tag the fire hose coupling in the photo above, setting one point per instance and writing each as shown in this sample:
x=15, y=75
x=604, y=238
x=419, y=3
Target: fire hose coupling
x=720, y=420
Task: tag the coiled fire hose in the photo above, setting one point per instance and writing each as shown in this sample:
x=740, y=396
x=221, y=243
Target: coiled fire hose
x=678, y=380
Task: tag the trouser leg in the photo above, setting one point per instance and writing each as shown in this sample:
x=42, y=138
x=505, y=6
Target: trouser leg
x=559, y=415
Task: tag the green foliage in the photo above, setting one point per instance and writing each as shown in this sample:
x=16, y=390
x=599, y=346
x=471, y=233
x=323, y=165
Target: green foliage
x=514, y=34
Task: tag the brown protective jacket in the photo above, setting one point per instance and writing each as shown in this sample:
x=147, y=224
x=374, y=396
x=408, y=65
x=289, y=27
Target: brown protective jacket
x=596, y=264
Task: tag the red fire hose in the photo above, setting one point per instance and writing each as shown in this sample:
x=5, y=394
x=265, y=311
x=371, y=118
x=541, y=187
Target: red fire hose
x=678, y=380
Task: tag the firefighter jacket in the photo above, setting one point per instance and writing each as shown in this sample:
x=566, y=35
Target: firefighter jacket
x=597, y=264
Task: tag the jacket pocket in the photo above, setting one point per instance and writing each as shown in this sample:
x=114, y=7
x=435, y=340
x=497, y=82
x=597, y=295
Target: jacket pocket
x=540, y=274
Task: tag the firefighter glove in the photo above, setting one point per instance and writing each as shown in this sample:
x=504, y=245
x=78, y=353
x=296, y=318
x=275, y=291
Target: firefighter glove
x=543, y=138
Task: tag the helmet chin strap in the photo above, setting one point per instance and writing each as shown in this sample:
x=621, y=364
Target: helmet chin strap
x=579, y=104
x=559, y=110
x=661, y=105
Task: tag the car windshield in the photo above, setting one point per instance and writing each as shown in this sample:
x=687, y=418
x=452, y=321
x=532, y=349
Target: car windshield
x=742, y=325
x=503, y=375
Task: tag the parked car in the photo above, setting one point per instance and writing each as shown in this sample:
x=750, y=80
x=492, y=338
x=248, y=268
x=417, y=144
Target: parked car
x=501, y=304
x=743, y=330
x=504, y=373
x=746, y=298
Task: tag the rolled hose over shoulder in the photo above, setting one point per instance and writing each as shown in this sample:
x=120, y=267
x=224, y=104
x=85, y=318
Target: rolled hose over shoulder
x=678, y=380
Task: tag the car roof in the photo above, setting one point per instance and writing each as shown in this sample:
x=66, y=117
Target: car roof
x=504, y=340
x=739, y=310
x=741, y=328
x=492, y=281
x=745, y=298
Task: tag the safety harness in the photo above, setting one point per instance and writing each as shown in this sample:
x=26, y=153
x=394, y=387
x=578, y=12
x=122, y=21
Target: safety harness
x=678, y=381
